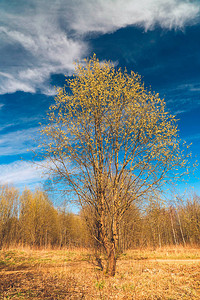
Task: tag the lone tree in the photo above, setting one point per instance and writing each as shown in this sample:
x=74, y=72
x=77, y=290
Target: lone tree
x=111, y=142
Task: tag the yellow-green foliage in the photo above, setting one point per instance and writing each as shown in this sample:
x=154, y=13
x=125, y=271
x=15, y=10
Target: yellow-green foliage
x=108, y=123
x=111, y=142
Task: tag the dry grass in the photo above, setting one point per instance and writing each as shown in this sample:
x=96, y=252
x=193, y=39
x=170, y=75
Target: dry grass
x=170, y=273
x=169, y=252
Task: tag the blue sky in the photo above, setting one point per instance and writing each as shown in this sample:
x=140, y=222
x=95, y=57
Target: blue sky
x=40, y=40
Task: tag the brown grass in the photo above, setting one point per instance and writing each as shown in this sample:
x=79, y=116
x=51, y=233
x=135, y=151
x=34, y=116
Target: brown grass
x=170, y=273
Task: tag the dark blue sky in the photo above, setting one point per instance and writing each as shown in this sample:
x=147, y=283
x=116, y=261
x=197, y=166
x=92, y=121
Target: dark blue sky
x=40, y=39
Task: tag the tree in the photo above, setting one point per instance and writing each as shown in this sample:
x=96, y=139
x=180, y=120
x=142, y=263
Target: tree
x=9, y=209
x=38, y=219
x=110, y=142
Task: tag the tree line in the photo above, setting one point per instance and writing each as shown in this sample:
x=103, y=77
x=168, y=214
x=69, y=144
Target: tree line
x=31, y=219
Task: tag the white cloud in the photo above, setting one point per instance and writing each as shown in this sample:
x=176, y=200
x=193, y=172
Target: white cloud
x=18, y=142
x=13, y=85
x=194, y=137
x=20, y=173
x=104, y=16
x=40, y=48
x=39, y=38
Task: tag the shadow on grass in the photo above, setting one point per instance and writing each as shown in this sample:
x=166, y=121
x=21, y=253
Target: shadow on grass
x=34, y=285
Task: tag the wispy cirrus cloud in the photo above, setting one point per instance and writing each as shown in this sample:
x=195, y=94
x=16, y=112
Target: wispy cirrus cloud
x=18, y=142
x=192, y=87
x=182, y=98
x=40, y=38
x=21, y=173
x=194, y=137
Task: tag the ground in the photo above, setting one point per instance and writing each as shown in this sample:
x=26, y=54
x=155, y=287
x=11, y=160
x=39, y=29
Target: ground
x=170, y=273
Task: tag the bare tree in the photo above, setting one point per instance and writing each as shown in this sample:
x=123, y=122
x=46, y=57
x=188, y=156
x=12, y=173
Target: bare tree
x=110, y=141
x=9, y=209
x=38, y=219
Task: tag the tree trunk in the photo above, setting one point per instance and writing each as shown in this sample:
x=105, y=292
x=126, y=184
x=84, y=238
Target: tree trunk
x=111, y=261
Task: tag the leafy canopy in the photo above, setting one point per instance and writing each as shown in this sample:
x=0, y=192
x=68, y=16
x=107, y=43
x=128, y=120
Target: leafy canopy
x=110, y=135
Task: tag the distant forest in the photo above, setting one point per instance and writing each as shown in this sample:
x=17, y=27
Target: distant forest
x=31, y=219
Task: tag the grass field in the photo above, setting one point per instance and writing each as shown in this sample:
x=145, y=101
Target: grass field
x=170, y=273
